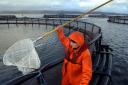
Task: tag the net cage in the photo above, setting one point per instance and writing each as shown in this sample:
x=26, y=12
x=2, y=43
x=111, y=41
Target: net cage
x=29, y=55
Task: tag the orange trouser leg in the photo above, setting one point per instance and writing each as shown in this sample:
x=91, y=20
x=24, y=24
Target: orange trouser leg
x=65, y=80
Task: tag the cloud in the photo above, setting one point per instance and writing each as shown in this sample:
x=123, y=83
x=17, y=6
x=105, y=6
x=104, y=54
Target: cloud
x=118, y=6
x=82, y=5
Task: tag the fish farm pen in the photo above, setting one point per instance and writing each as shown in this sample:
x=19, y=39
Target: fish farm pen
x=98, y=15
x=118, y=19
x=50, y=71
x=4, y=17
x=61, y=15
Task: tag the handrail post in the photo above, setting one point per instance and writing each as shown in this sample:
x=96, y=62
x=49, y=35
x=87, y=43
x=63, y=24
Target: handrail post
x=85, y=25
x=92, y=28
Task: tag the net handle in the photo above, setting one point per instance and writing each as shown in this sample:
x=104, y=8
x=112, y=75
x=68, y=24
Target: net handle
x=84, y=14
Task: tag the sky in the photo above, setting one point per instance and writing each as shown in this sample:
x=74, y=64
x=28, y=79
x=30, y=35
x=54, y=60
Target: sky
x=118, y=6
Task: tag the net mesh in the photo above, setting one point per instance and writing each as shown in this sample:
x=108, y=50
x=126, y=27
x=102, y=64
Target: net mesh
x=30, y=54
x=23, y=55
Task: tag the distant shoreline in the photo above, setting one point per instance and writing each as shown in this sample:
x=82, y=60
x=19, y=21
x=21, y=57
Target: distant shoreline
x=39, y=12
x=55, y=12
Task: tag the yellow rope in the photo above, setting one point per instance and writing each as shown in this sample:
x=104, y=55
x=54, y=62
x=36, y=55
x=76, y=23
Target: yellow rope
x=84, y=14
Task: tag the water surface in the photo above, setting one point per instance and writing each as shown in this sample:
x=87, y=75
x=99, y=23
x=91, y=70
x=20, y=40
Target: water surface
x=116, y=35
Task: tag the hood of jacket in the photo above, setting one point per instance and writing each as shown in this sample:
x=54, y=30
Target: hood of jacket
x=78, y=37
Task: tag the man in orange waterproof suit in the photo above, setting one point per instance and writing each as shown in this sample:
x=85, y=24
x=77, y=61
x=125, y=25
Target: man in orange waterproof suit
x=77, y=66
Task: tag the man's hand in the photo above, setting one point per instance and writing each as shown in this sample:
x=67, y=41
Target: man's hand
x=59, y=28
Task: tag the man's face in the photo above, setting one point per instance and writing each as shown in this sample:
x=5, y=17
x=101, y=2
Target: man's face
x=74, y=44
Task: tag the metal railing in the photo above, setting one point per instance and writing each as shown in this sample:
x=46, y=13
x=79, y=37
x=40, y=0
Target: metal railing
x=90, y=30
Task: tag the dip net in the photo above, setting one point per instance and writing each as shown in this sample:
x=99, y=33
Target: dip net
x=28, y=54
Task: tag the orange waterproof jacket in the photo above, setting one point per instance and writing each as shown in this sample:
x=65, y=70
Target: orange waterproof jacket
x=77, y=66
